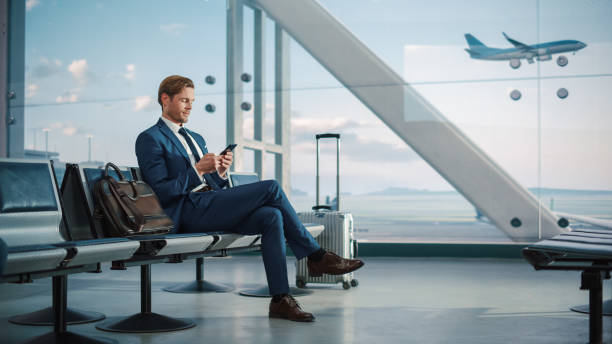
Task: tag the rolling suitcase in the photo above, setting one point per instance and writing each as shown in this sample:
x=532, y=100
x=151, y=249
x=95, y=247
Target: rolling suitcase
x=338, y=234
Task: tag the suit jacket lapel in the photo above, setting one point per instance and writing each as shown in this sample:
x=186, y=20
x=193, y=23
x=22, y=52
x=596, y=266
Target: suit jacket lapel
x=170, y=135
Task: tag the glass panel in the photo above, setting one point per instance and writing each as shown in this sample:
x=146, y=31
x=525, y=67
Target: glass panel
x=101, y=80
x=576, y=123
x=541, y=119
x=270, y=168
x=248, y=164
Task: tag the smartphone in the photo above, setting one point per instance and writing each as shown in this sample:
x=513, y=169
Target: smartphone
x=229, y=148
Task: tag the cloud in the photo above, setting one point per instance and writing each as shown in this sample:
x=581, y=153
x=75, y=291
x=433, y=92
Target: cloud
x=67, y=128
x=79, y=70
x=69, y=131
x=173, y=29
x=31, y=4
x=144, y=103
x=304, y=129
x=31, y=90
x=68, y=97
x=362, y=147
x=46, y=68
x=129, y=72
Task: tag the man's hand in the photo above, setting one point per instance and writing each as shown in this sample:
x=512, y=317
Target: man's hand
x=209, y=163
x=225, y=161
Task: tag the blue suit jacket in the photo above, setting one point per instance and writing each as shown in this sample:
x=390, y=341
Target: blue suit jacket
x=165, y=166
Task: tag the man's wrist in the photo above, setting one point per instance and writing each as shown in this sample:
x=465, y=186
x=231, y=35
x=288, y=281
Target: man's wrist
x=222, y=176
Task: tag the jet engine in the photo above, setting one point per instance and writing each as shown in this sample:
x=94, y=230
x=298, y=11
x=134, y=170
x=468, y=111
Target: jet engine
x=515, y=63
x=544, y=57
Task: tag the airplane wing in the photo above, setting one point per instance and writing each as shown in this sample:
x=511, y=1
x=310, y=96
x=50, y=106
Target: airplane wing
x=587, y=219
x=520, y=46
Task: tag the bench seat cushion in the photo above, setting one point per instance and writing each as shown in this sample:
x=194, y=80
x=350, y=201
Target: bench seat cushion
x=229, y=240
x=33, y=258
x=177, y=243
x=585, y=246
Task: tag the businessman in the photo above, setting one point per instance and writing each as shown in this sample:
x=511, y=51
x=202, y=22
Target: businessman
x=190, y=184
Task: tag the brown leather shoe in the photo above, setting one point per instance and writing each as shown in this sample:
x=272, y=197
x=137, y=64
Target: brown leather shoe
x=288, y=308
x=332, y=264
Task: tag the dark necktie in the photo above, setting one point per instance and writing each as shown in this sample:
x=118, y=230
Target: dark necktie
x=194, y=151
x=192, y=147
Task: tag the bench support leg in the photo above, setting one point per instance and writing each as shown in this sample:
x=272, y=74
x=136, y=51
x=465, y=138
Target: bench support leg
x=45, y=317
x=606, y=308
x=199, y=285
x=592, y=281
x=60, y=334
x=146, y=321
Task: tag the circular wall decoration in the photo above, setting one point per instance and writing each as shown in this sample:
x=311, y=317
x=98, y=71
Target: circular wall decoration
x=562, y=93
x=210, y=108
x=515, y=95
x=246, y=106
x=210, y=79
x=562, y=61
x=246, y=77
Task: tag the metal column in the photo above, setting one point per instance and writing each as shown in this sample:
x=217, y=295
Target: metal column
x=12, y=78
x=259, y=80
x=235, y=57
x=234, y=47
x=4, y=18
x=282, y=107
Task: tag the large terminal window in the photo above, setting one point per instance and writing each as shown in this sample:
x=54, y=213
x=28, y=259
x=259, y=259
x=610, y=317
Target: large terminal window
x=526, y=81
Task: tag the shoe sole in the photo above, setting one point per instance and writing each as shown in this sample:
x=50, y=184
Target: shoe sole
x=279, y=316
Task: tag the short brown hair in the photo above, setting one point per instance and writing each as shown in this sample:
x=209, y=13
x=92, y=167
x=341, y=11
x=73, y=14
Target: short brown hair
x=172, y=85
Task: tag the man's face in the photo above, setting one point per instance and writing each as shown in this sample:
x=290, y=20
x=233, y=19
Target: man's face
x=177, y=108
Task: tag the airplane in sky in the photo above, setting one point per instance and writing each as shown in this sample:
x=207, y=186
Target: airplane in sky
x=542, y=51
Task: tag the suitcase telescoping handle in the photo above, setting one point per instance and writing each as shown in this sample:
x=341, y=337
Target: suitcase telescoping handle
x=337, y=137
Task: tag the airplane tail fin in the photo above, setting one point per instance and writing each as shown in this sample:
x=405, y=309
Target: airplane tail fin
x=474, y=43
x=473, y=53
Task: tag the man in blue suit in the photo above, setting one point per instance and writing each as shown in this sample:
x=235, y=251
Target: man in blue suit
x=190, y=184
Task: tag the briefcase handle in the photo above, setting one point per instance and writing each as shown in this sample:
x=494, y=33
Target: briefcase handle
x=134, y=196
x=110, y=164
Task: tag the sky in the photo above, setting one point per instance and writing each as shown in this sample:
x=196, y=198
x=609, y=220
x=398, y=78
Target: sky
x=93, y=68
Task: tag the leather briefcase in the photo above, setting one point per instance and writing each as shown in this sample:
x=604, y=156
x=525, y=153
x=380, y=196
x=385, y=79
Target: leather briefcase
x=128, y=208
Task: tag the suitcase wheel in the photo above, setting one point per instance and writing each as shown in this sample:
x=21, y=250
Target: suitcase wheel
x=346, y=285
x=354, y=283
x=300, y=283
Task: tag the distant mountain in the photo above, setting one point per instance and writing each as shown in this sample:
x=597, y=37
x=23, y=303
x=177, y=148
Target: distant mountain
x=394, y=191
x=298, y=192
x=567, y=191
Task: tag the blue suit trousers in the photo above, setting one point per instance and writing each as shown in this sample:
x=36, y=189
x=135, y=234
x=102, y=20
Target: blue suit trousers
x=257, y=208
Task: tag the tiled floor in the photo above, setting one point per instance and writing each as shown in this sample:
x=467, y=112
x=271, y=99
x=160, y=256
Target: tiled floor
x=399, y=300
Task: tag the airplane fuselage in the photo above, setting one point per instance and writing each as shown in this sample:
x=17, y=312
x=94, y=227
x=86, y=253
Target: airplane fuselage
x=540, y=51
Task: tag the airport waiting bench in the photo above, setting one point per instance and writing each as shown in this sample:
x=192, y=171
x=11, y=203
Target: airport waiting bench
x=30, y=225
x=36, y=218
x=77, y=194
x=586, y=250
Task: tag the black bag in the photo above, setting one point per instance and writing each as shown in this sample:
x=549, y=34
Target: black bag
x=128, y=208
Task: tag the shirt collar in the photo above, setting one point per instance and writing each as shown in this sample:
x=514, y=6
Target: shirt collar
x=173, y=126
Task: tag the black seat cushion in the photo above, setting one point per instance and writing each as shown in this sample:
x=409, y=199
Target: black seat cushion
x=26, y=187
x=92, y=175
